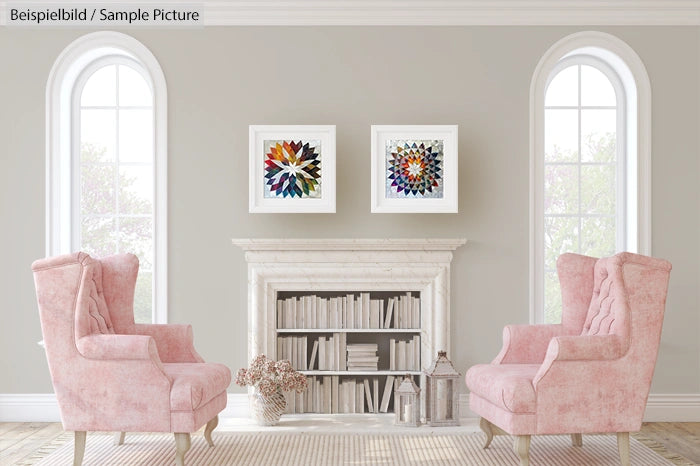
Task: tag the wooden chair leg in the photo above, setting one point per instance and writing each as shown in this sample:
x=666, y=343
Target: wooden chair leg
x=119, y=438
x=521, y=445
x=577, y=440
x=623, y=446
x=182, y=443
x=487, y=428
x=211, y=425
x=79, y=447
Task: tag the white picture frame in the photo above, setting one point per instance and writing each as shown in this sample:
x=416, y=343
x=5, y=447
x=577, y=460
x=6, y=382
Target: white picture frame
x=270, y=189
x=411, y=194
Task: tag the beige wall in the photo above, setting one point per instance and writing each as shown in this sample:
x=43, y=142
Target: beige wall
x=220, y=80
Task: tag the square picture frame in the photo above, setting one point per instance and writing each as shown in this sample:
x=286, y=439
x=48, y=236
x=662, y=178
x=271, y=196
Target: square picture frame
x=291, y=169
x=414, y=168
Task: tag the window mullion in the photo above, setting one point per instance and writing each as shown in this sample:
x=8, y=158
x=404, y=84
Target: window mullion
x=117, y=223
x=580, y=212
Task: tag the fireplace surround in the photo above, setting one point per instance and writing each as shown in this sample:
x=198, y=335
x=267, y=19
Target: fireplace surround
x=349, y=265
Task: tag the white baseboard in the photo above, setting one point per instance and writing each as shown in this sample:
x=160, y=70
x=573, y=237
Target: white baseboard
x=673, y=408
x=42, y=407
x=30, y=407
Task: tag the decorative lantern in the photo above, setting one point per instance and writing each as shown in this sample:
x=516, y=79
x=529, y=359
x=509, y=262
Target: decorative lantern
x=407, y=403
x=442, y=397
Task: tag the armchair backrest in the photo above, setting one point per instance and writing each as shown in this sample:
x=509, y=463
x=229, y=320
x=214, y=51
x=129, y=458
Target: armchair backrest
x=628, y=288
x=608, y=312
x=75, y=293
x=628, y=299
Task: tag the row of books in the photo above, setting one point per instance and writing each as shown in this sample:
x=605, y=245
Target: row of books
x=333, y=394
x=404, y=355
x=333, y=353
x=350, y=311
x=327, y=353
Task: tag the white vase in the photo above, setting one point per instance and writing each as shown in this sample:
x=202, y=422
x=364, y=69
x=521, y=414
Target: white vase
x=268, y=409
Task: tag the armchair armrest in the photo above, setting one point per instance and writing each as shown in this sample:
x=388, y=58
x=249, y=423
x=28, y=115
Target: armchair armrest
x=526, y=344
x=175, y=342
x=118, y=347
x=570, y=356
x=585, y=348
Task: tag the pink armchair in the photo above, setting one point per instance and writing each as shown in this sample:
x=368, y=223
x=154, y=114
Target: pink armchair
x=592, y=372
x=110, y=374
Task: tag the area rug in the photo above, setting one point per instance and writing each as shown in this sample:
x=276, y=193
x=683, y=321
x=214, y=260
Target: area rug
x=306, y=449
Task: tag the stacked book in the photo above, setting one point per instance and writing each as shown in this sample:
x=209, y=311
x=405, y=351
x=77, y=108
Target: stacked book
x=362, y=357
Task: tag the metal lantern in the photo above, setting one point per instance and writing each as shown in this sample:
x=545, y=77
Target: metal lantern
x=442, y=397
x=407, y=403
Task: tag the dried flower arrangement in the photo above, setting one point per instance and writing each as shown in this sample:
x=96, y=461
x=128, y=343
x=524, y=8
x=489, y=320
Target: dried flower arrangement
x=269, y=376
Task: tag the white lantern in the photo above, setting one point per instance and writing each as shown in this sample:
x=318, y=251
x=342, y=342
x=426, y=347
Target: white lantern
x=442, y=395
x=407, y=403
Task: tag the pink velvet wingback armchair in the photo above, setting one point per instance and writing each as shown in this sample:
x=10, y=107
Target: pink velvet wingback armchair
x=111, y=374
x=592, y=372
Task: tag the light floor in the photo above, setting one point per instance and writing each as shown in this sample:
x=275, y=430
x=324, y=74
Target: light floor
x=20, y=440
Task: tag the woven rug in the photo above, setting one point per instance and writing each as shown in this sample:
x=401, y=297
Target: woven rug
x=306, y=449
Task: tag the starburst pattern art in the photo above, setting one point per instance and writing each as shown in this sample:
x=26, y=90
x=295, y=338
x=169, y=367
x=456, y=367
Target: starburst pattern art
x=292, y=169
x=414, y=169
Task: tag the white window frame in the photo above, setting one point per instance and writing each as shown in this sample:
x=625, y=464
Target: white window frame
x=635, y=139
x=61, y=142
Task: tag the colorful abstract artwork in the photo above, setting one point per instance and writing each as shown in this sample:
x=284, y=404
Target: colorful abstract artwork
x=414, y=169
x=292, y=168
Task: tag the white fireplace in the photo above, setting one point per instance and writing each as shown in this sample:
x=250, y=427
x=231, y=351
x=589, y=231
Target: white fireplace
x=318, y=265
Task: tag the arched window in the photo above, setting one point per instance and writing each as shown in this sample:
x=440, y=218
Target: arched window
x=590, y=100
x=106, y=159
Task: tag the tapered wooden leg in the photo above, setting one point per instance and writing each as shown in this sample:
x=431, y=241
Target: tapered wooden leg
x=487, y=428
x=119, y=438
x=182, y=443
x=79, y=447
x=577, y=440
x=211, y=425
x=521, y=445
x=623, y=446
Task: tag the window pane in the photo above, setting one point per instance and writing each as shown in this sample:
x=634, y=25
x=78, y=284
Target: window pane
x=133, y=89
x=143, y=297
x=563, y=88
x=97, y=235
x=98, y=128
x=101, y=88
x=135, y=236
x=97, y=189
x=136, y=136
x=560, y=135
x=135, y=189
x=598, y=236
x=561, y=189
x=598, y=135
x=552, y=298
x=596, y=88
x=598, y=189
x=560, y=236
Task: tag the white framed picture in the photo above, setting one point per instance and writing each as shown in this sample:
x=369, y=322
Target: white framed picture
x=414, y=168
x=292, y=168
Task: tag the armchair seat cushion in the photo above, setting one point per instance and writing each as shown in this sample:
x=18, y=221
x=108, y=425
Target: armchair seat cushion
x=508, y=386
x=195, y=384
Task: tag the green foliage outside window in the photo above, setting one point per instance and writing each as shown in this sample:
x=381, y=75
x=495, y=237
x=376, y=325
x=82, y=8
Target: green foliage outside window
x=114, y=218
x=580, y=209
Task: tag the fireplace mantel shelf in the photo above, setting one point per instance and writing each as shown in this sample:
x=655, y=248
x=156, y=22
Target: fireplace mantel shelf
x=345, y=244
